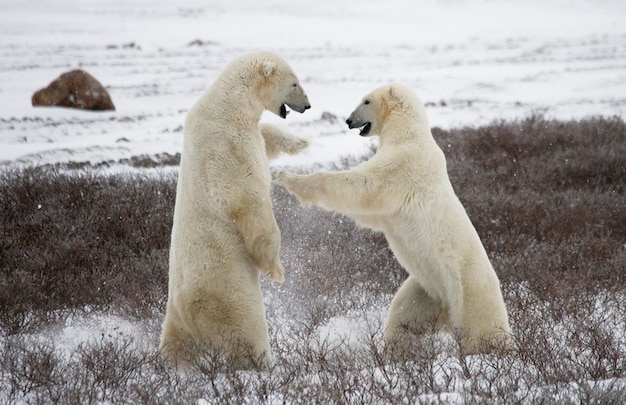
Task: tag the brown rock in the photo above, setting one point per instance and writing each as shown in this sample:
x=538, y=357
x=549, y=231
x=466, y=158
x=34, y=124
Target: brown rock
x=75, y=89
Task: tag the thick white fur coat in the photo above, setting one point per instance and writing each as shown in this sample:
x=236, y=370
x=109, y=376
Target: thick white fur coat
x=404, y=191
x=224, y=233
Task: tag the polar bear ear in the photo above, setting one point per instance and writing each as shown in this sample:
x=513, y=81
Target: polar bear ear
x=268, y=67
x=396, y=96
x=393, y=92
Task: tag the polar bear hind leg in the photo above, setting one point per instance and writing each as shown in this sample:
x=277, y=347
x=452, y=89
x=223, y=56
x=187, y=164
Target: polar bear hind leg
x=483, y=325
x=412, y=312
x=174, y=339
x=238, y=331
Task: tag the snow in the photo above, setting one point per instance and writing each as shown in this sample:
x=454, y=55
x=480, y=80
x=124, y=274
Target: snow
x=95, y=328
x=471, y=62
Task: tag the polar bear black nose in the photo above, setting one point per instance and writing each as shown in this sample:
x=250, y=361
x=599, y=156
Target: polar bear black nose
x=349, y=122
x=306, y=107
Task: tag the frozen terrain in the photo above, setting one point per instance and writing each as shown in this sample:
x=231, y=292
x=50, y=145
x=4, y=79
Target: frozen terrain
x=470, y=61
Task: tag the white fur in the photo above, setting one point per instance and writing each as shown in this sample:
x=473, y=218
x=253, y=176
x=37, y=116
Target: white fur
x=224, y=233
x=404, y=191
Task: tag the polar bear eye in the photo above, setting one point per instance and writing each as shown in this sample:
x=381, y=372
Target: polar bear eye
x=294, y=85
x=366, y=102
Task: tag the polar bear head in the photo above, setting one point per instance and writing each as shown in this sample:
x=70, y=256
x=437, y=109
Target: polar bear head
x=277, y=86
x=379, y=107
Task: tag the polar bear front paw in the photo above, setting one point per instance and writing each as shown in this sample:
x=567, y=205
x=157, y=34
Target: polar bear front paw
x=297, y=185
x=284, y=179
x=277, y=273
x=295, y=145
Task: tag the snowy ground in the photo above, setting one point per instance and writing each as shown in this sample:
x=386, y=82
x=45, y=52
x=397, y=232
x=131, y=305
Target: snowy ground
x=470, y=61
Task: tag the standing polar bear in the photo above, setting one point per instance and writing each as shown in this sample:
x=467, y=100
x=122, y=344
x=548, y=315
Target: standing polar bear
x=224, y=233
x=404, y=191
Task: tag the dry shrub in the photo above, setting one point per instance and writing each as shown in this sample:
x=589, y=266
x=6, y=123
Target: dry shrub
x=547, y=197
x=70, y=241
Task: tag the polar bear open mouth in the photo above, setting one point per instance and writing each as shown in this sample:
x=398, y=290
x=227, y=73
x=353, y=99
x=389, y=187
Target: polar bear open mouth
x=283, y=111
x=365, y=129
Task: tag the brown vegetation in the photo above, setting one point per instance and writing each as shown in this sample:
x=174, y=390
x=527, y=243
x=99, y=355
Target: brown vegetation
x=547, y=197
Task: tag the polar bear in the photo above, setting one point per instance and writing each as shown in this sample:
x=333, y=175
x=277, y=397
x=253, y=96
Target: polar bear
x=404, y=191
x=224, y=233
